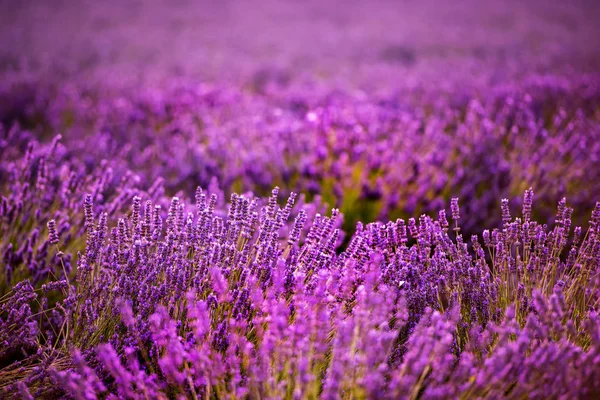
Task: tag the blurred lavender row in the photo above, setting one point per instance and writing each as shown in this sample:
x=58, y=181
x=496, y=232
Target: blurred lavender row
x=375, y=157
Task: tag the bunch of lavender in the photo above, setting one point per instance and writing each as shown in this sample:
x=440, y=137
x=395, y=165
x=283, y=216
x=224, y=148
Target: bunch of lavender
x=195, y=304
x=50, y=308
x=42, y=182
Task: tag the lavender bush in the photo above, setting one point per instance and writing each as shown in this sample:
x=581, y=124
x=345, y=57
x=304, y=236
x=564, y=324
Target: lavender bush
x=188, y=303
x=291, y=200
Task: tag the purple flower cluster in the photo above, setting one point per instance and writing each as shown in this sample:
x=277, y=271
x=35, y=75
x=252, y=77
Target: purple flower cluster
x=251, y=302
x=355, y=151
x=300, y=200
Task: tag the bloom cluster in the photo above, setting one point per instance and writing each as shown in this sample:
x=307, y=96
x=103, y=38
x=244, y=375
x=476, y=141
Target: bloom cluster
x=355, y=151
x=252, y=302
x=300, y=200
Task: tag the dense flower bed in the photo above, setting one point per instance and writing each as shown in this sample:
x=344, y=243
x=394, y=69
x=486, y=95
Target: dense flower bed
x=200, y=303
x=111, y=288
x=375, y=157
x=295, y=200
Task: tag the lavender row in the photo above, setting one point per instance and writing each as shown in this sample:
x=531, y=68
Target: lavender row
x=374, y=157
x=256, y=302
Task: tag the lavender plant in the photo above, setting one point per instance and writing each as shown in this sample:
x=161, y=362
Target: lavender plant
x=152, y=245
x=188, y=303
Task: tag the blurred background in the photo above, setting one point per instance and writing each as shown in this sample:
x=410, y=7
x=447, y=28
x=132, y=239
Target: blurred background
x=358, y=41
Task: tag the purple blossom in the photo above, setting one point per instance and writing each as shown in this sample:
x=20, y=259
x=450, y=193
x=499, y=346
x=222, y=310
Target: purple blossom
x=333, y=270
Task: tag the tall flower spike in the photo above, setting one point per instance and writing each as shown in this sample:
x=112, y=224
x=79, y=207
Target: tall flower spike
x=595, y=219
x=200, y=199
x=147, y=219
x=562, y=207
x=135, y=215
x=289, y=205
x=211, y=204
x=52, y=235
x=156, y=217
x=297, y=229
x=527, y=204
x=88, y=205
x=401, y=227
x=455, y=210
x=272, y=204
x=171, y=221
x=332, y=241
x=505, y=211
x=443, y=220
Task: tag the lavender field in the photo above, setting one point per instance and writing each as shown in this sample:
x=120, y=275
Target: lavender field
x=299, y=200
